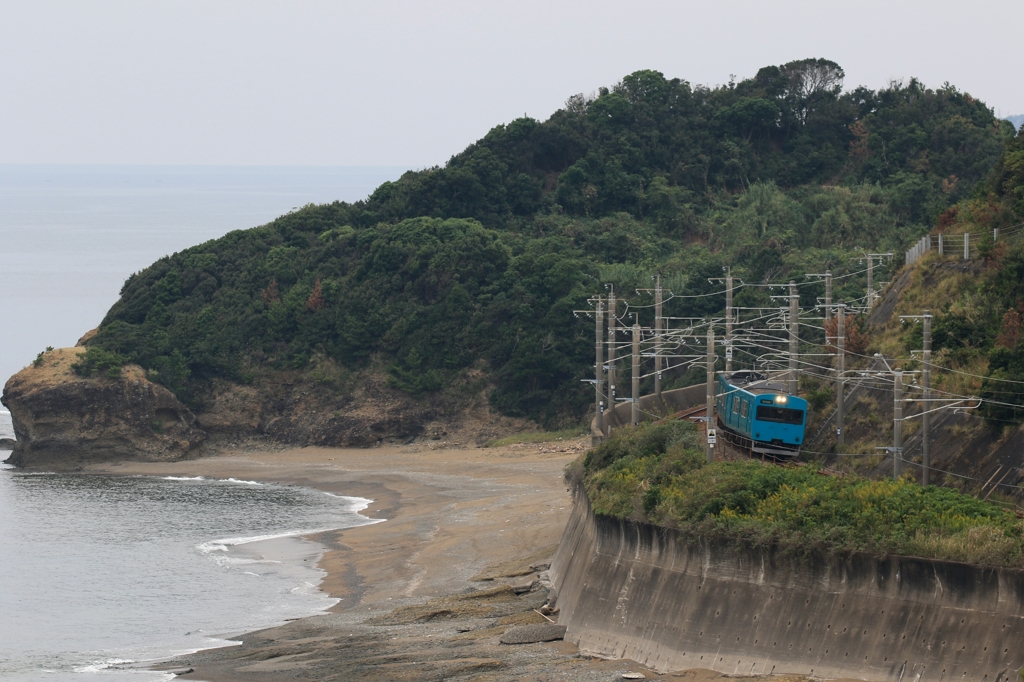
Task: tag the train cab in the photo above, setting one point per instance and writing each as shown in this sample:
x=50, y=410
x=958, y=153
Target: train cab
x=763, y=416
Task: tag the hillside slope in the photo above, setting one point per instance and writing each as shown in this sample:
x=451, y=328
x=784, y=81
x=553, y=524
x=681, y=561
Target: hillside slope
x=455, y=287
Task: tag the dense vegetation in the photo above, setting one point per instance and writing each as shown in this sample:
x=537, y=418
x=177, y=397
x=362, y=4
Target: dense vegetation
x=977, y=328
x=657, y=473
x=480, y=263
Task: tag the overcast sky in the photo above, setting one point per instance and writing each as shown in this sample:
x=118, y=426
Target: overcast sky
x=410, y=83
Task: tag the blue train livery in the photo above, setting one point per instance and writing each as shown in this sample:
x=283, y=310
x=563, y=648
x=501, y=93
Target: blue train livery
x=760, y=416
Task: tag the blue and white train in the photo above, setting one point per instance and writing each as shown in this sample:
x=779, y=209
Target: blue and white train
x=760, y=416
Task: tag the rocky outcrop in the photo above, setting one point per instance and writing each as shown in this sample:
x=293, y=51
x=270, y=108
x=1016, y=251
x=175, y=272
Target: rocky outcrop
x=61, y=419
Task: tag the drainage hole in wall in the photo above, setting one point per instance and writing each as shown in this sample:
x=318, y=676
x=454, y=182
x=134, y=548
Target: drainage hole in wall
x=844, y=629
x=755, y=641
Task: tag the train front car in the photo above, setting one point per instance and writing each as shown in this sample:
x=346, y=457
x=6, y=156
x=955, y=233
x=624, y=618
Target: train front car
x=760, y=416
x=778, y=425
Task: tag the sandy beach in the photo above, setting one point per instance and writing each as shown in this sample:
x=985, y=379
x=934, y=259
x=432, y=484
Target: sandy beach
x=427, y=593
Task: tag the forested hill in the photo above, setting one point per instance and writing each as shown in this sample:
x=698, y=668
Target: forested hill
x=479, y=264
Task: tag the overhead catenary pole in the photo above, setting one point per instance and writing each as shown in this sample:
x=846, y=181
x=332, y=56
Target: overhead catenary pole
x=942, y=249
x=897, y=424
x=635, y=404
x=828, y=296
x=926, y=418
x=612, y=378
x=728, y=319
x=967, y=245
x=659, y=323
x=794, y=339
x=871, y=280
x=840, y=374
x=599, y=368
x=710, y=393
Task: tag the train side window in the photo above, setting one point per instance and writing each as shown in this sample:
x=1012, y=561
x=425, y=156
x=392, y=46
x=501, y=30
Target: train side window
x=736, y=404
x=743, y=408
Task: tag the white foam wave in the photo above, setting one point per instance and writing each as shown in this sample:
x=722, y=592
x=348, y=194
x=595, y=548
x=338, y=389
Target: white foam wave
x=97, y=666
x=356, y=504
x=235, y=480
x=5, y=412
x=224, y=544
x=184, y=478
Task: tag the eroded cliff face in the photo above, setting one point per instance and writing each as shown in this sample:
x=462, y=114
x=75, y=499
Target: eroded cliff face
x=62, y=420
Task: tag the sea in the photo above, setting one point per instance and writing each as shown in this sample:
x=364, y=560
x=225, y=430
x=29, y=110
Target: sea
x=101, y=574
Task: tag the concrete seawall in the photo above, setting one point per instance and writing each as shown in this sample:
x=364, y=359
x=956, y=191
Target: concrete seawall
x=637, y=591
x=670, y=402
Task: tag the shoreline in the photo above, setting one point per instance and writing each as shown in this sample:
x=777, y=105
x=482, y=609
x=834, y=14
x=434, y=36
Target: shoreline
x=457, y=521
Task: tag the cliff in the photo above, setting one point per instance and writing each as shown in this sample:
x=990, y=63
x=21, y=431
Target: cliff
x=61, y=419
x=633, y=590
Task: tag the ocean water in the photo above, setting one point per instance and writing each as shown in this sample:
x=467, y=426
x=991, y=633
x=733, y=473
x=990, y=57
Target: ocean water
x=99, y=574
x=71, y=235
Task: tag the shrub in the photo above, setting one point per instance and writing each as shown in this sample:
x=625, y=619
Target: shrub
x=657, y=473
x=97, y=361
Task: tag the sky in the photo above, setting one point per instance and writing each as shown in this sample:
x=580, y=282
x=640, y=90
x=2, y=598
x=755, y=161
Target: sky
x=403, y=83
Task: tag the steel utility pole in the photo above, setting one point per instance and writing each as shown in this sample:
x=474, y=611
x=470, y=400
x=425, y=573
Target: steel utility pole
x=635, y=404
x=612, y=388
x=871, y=281
x=599, y=368
x=841, y=374
x=871, y=275
x=659, y=323
x=828, y=297
x=794, y=339
x=897, y=423
x=728, y=319
x=926, y=418
x=709, y=447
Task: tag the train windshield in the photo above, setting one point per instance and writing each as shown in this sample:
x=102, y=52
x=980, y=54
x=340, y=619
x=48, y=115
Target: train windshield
x=781, y=415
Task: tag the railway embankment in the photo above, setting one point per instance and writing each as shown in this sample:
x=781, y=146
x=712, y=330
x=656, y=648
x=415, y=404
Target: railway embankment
x=636, y=590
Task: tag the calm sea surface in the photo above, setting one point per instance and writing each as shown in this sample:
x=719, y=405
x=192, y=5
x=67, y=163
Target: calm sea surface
x=97, y=572
x=100, y=573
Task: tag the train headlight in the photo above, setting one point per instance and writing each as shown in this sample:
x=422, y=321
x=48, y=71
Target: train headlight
x=780, y=399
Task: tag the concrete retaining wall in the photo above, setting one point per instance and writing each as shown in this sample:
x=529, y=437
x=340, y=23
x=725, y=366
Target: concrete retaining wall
x=669, y=403
x=630, y=590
